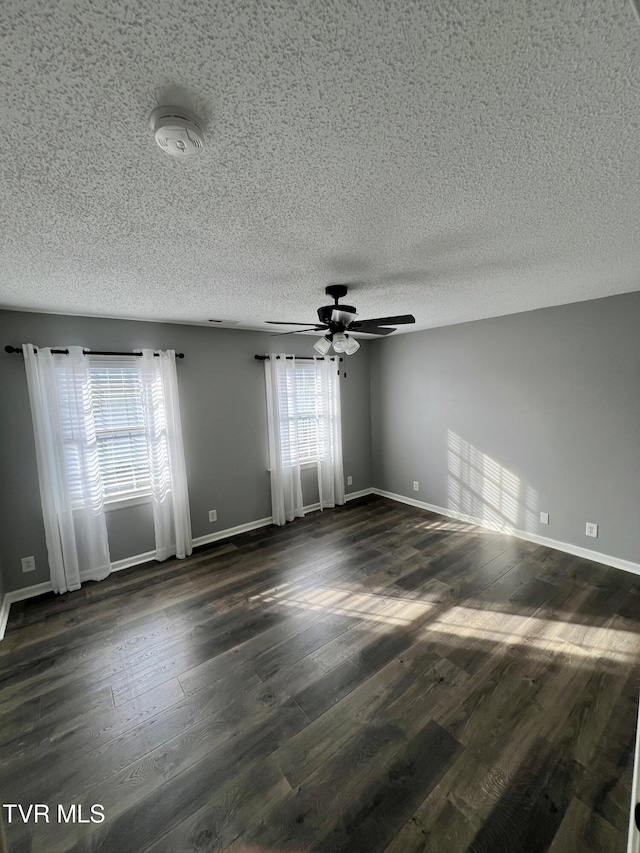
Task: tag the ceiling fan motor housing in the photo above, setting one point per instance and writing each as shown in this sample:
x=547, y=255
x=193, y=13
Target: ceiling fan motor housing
x=325, y=313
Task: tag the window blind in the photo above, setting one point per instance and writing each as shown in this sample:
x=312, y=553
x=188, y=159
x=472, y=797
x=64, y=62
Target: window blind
x=301, y=423
x=118, y=416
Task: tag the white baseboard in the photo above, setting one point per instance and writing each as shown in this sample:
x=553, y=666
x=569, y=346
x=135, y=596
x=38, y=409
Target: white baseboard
x=128, y=562
x=4, y=615
x=254, y=525
x=20, y=595
x=361, y=494
x=230, y=531
x=567, y=547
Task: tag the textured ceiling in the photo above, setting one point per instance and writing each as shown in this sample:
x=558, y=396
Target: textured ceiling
x=454, y=160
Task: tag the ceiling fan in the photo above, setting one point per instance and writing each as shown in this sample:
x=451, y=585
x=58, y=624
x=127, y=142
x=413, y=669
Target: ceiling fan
x=339, y=320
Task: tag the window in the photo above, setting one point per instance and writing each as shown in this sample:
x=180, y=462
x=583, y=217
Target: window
x=110, y=407
x=301, y=418
x=304, y=426
x=105, y=429
x=118, y=417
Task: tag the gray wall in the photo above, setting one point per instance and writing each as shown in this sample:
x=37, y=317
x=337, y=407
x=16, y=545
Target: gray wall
x=504, y=418
x=498, y=419
x=222, y=396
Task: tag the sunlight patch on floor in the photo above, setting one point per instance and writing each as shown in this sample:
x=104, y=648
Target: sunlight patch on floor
x=464, y=623
x=384, y=610
x=445, y=524
x=553, y=636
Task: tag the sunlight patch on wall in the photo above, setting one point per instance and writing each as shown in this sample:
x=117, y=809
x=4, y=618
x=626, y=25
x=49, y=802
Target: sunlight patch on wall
x=480, y=487
x=531, y=509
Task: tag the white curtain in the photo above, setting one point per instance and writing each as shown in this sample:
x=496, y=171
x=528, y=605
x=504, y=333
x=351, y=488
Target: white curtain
x=68, y=468
x=163, y=426
x=330, y=468
x=288, y=418
x=284, y=460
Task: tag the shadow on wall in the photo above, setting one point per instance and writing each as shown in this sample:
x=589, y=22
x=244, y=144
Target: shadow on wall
x=480, y=487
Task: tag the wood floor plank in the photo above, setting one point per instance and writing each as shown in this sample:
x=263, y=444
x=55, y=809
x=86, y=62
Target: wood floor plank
x=529, y=813
x=288, y=652
x=452, y=814
x=389, y=719
x=211, y=736
x=342, y=806
x=392, y=694
x=242, y=655
x=328, y=690
x=226, y=815
x=61, y=736
x=577, y=724
x=187, y=791
x=385, y=804
x=75, y=772
x=373, y=677
x=606, y=784
x=584, y=831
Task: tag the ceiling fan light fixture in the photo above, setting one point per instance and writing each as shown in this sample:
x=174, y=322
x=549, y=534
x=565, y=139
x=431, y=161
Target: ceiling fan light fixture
x=323, y=345
x=340, y=342
x=352, y=346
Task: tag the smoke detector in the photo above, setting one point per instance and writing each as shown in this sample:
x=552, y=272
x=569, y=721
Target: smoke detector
x=177, y=131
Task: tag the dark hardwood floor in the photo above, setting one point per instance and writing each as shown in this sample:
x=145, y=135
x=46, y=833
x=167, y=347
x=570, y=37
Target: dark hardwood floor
x=371, y=678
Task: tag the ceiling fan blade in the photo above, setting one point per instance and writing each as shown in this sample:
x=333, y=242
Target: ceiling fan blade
x=285, y=323
x=398, y=320
x=374, y=330
x=294, y=332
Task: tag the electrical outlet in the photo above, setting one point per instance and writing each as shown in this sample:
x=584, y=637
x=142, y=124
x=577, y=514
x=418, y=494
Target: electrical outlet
x=544, y=518
x=213, y=515
x=28, y=564
x=416, y=486
x=349, y=481
x=592, y=529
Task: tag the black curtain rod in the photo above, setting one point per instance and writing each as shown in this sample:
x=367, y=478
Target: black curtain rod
x=11, y=349
x=301, y=357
